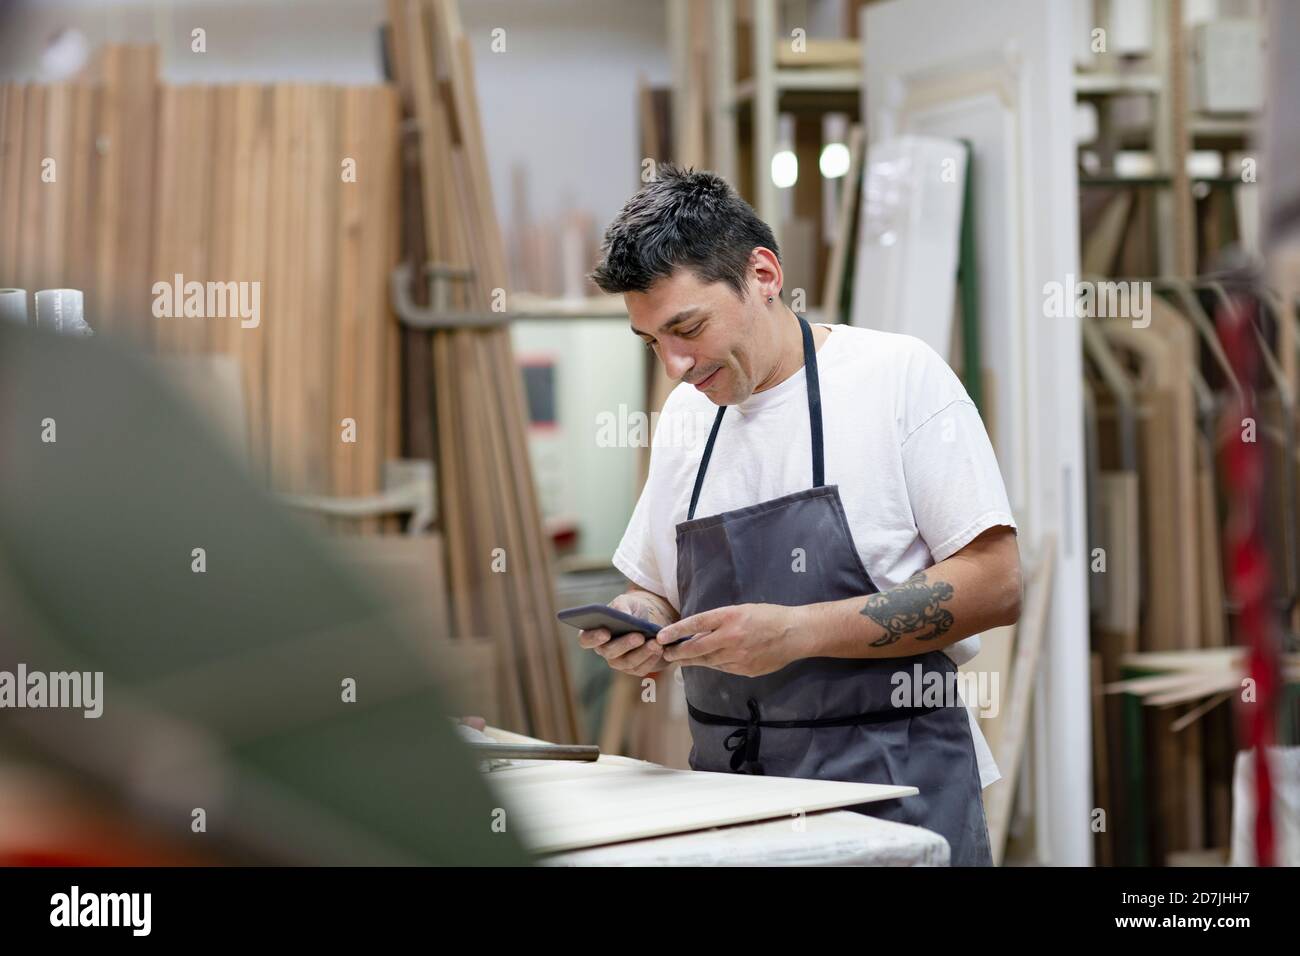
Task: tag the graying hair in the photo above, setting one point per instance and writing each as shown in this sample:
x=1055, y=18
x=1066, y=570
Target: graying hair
x=682, y=219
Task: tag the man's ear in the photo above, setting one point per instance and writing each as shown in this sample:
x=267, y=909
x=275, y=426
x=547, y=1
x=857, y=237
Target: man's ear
x=766, y=270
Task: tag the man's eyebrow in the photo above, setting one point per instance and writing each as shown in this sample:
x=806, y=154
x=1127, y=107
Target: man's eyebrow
x=681, y=316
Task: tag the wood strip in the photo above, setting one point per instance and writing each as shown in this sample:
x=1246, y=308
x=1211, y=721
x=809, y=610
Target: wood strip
x=166, y=330
x=487, y=497
x=243, y=259
x=32, y=193
x=1104, y=844
x=79, y=227
x=13, y=99
x=321, y=182
x=57, y=150
x=195, y=208
x=507, y=616
x=349, y=307
x=108, y=194
x=381, y=377
x=284, y=439
x=219, y=332
x=490, y=261
x=137, y=129
x=1030, y=634
x=258, y=225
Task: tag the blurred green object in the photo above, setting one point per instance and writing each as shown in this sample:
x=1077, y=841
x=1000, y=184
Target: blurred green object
x=224, y=689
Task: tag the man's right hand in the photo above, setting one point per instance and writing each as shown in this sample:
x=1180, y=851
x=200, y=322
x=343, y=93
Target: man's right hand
x=631, y=653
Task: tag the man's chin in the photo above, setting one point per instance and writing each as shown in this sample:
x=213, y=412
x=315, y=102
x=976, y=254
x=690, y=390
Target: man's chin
x=730, y=396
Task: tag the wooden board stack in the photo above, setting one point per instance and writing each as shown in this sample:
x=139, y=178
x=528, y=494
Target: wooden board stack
x=224, y=184
x=498, y=559
x=1164, y=747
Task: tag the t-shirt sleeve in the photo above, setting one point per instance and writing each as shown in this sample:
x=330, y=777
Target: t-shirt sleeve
x=954, y=484
x=635, y=556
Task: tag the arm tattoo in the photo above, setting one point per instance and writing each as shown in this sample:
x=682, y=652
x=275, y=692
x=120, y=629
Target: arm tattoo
x=912, y=606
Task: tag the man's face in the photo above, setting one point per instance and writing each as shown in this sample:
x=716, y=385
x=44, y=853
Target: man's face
x=703, y=333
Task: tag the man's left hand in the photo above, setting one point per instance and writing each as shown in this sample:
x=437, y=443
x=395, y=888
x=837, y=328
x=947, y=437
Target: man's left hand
x=746, y=639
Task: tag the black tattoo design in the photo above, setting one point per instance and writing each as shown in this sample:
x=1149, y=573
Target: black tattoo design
x=910, y=607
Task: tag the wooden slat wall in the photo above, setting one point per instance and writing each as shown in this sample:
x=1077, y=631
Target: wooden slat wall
x=225, y=184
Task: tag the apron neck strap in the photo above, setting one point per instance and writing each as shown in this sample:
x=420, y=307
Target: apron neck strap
x=813, y=385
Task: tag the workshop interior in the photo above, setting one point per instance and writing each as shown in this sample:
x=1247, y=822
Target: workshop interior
x=313, y=419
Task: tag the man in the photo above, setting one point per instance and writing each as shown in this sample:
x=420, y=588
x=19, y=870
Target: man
x=841, y=531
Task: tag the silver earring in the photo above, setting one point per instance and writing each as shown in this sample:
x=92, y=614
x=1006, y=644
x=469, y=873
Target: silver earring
x=769, y=298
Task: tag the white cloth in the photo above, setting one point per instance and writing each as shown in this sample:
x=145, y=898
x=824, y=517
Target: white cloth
x=903, y=441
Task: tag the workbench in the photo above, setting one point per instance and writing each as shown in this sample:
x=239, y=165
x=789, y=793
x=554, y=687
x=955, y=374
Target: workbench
x=831, y=838
x=663, y=817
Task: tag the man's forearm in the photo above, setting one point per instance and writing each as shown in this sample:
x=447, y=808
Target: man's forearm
x=974, y=590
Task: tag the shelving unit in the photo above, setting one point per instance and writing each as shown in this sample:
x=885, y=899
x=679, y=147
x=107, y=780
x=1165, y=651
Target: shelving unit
x=741, y=113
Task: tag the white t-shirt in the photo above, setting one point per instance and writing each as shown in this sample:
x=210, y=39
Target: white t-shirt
x=903, y=441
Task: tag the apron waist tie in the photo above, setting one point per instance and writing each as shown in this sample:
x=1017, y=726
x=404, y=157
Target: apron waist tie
x=743, y=743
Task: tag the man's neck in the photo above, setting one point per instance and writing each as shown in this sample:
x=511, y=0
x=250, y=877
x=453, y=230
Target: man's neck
x=790, y=349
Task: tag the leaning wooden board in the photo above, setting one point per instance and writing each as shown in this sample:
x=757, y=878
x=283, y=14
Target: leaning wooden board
x=564, y=806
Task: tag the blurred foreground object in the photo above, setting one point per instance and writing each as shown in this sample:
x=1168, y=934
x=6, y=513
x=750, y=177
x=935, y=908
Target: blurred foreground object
x=227, y=636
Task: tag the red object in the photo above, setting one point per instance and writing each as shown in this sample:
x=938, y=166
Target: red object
x=1247, y=566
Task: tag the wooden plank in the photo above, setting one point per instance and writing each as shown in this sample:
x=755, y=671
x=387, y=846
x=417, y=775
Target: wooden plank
x=819, y=52
x=567, y=806
x=378, y=374
x=244, y=252
x=490, y=265
x=219, y=333
x=13, y=99
x=126, y=138
x=257, y=224
x=1167, y=477
x=487, y=498
x=620, y=697
x=349, y=309
x=1214, y=631
x=1030, y=636
x=321, y=178
x=284, y=430
x=79, y=170
x=56, y=149
x=166, y=334
x=997, y=648
x=509, y=617
x=32, y=194
x=195, y=206
x=137, y=150
x=1104, y=845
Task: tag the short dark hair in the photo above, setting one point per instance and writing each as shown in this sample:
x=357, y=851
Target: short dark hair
x=681, y=218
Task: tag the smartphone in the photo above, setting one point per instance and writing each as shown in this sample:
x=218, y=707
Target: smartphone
x=591, y=616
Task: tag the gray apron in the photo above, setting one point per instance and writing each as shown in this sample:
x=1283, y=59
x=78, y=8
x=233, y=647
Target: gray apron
x=821, y=718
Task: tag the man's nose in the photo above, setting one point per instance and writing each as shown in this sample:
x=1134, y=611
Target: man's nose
x=676, y=363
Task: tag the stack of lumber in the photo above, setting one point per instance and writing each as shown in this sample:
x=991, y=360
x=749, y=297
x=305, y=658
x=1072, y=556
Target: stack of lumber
x=1185, y=781
x=498, y=559
x=225, y=184
x=1162, y=391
